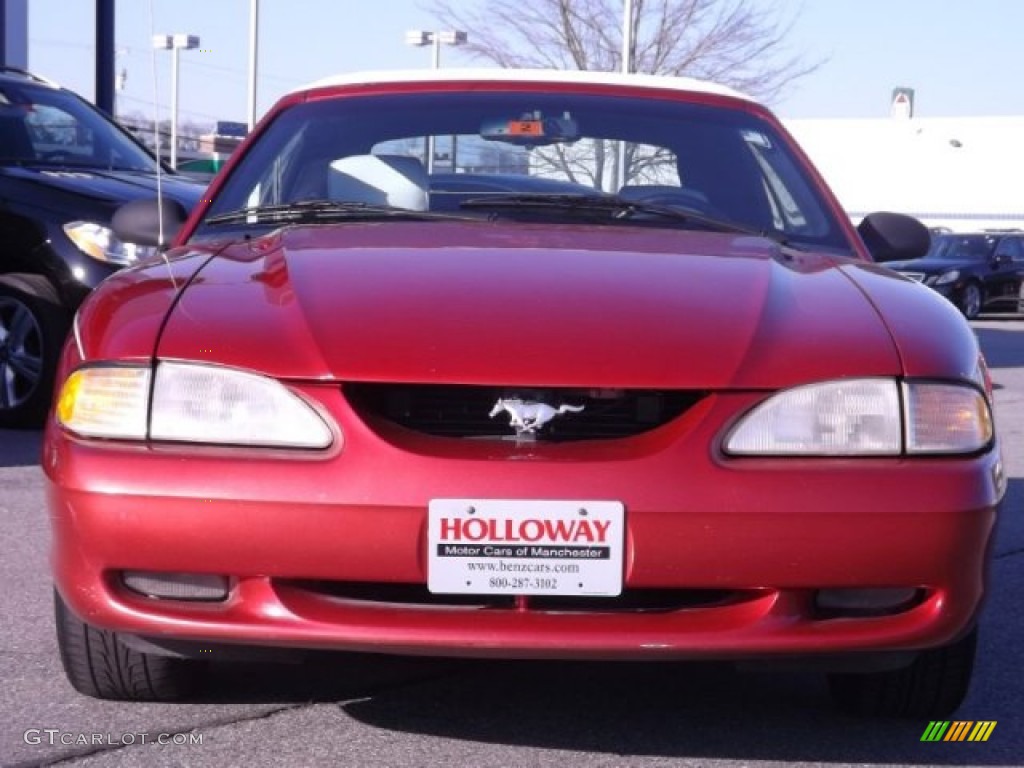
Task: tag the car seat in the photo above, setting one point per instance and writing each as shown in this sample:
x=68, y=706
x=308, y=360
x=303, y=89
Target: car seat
x=396, y=180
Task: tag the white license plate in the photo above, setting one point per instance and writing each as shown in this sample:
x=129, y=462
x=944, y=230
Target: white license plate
x=516, y=547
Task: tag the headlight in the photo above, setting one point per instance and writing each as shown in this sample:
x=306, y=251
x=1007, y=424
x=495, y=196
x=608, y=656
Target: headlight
x=100, y=243
x=219, y=405
x=836, y=418
x=189, y=403
x=866, y=417
x=948, y=277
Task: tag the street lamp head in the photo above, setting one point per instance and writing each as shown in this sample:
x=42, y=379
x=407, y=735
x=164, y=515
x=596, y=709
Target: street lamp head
x=453, y=37
x=169, y=42
x=187, y=42
x=418, y=37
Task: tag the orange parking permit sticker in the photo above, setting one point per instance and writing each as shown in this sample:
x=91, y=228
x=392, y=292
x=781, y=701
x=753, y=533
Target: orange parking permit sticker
x=525, y=128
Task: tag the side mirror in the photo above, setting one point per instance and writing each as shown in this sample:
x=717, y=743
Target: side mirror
x=1002, y=259
x=894, y=236
x=142, y=221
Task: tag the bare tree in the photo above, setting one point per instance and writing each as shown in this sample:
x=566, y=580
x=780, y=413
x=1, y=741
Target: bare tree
x=740, y=43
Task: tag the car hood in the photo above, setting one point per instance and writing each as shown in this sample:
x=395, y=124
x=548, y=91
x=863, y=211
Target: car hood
x=931, y=266
x=479, y=303
x=110, y=186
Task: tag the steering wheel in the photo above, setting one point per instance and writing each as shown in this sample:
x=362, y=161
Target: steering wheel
x=668, y=198
x=684, y=200
x=55, y=154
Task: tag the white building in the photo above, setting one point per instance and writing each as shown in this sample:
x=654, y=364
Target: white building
x=964, y=173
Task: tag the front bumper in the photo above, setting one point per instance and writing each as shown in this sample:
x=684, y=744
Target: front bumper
x=314, y=545
x=951, y=291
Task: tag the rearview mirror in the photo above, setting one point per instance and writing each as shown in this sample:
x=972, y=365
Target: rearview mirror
x=894, y=236
x=531, y=129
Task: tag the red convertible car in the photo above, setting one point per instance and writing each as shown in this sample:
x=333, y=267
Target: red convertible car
x=522, y=365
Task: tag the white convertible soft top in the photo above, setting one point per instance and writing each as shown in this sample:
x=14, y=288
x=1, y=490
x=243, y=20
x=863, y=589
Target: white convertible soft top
x=526, y=75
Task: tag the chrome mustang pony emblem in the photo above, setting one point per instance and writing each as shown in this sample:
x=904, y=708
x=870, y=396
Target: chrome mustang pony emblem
x=528, y=416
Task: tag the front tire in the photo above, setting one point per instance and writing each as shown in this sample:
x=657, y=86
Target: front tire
x=98, y=664
x=970, y=301
x=933, y=686
x=32, y=330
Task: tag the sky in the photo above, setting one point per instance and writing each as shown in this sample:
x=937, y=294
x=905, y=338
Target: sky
x=962, y=59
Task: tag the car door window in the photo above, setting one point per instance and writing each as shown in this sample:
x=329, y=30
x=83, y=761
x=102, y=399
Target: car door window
x=54, y=132
x=1011, y=247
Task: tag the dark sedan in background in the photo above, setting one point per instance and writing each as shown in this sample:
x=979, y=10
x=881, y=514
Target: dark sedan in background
x=978, y=272
x=64, y=168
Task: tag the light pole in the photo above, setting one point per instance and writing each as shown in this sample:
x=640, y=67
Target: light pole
x=254, y=36
x=628, y=33
x=174, y=44
x=121, y=80
x=420, y=38
x=627, y=37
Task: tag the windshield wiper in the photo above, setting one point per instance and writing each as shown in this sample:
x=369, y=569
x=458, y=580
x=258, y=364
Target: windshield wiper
x=322, y=210
x=615, y=208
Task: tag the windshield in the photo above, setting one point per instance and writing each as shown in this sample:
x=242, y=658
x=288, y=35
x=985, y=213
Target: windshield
x=552, y=156
x=42, y=126
x=962, y=247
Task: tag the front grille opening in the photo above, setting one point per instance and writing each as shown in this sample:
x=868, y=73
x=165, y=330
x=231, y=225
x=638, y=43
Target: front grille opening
x=630, y=601
x=387, y=593
x=638, y=601
x=464, y=411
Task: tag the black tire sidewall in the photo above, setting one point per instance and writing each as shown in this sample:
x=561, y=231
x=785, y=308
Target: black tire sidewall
x=53, y=321
x=933, y=686
x=99, y=664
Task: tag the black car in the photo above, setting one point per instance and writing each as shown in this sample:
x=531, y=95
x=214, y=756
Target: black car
x=980, y=272
x=64, y=168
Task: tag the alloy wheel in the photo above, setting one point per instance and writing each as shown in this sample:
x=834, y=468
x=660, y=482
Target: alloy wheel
x=971, y=302
x=21, y=353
